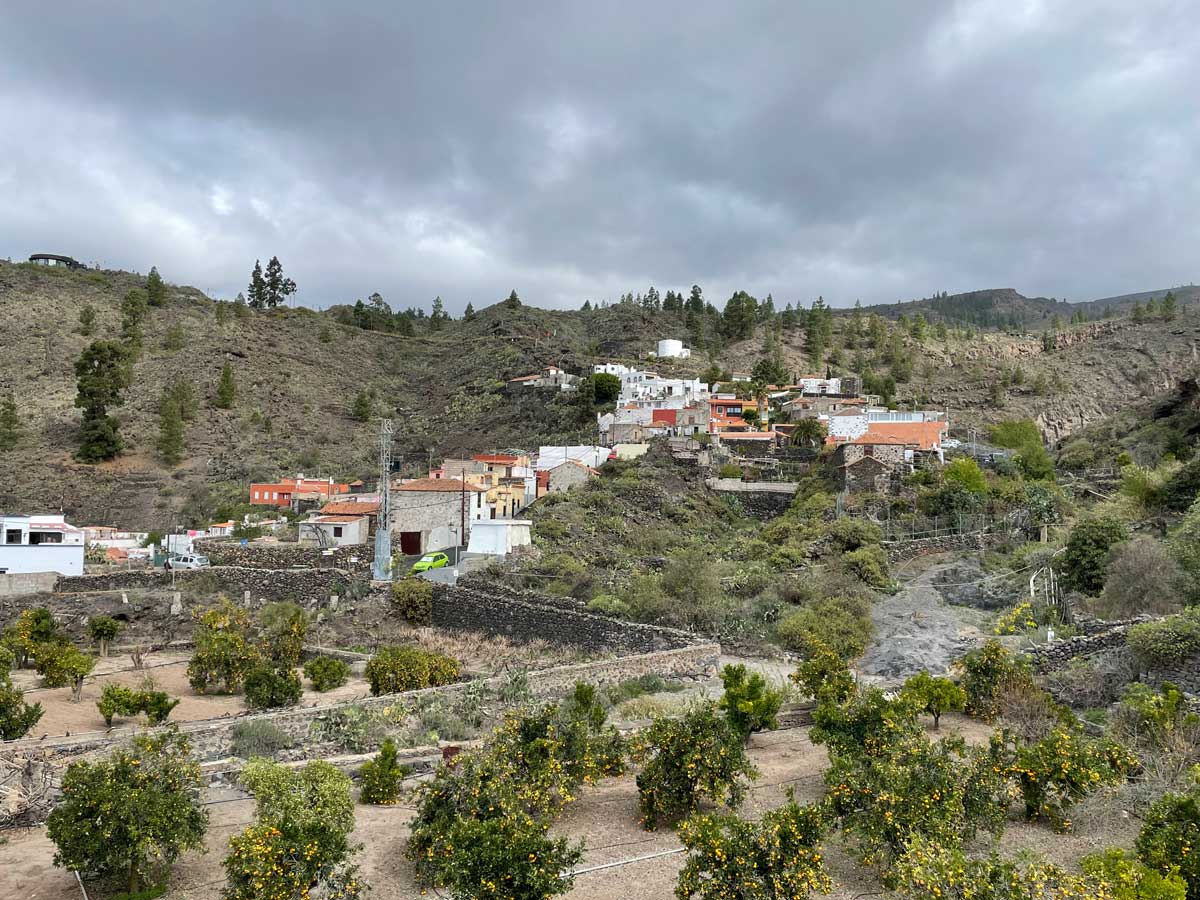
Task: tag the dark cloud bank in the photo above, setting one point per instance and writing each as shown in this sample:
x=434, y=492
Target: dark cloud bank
x=879, y=151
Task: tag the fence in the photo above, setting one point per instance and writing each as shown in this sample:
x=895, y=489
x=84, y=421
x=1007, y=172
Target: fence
x=922, y=527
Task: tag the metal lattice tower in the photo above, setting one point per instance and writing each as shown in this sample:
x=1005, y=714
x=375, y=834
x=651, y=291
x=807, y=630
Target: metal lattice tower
x=381, y=569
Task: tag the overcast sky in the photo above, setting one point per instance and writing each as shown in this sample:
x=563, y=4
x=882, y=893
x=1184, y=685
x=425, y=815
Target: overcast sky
x=575, y=151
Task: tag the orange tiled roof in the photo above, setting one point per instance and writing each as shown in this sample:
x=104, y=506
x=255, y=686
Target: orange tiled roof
x=351, y=508
x=335, y=520
x=502, y=458
x=441, y=485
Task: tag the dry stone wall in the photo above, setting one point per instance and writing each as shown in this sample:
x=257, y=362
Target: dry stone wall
x=475, y=605
x=230, y=552
x=212, y=739
x=307, y=587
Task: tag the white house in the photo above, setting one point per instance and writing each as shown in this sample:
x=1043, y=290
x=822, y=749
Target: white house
x=334, y=531
x=499, y=537
x=673, y=349
x=552, y=457
x=40, y=544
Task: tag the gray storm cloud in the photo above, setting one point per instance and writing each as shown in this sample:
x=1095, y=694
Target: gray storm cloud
x=877, y=151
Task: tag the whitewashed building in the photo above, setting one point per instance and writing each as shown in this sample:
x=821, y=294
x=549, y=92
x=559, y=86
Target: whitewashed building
x=672, y=349
x=40, y=544
x=499, y=537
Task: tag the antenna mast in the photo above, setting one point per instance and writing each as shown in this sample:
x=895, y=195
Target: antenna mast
x=381, y=569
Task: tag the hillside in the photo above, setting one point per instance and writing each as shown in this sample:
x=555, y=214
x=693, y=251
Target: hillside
x=1007, y=310
x=298, y=372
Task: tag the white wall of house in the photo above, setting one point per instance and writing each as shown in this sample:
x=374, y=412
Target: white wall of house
x=499, y=537
x=846, y=428
x=65, y=559
x=337, y=534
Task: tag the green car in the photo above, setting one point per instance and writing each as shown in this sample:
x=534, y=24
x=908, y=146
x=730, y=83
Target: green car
x=429, y=561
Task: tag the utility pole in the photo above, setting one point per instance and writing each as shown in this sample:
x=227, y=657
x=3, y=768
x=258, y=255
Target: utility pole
x=381, y=569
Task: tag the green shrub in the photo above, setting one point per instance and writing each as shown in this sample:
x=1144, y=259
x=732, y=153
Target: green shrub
x=840, y=624
x=16, y=716
x=965, y=472
x=412, y=598
x=1088, y=548
x=609, y=605
x=258, y=737
x=684, y=760
x=1170, y=838
x=326, y=673
x=870, y=564
x=118, y=700
x=1167, y=642
x=382, y=776
x=749, y=705
x=1130, y=879
x=847, y=534
x=934, y=695
x=395, y=669
x=729, y=470
x=1015, y=434
x=62, y=665
x=270, y=688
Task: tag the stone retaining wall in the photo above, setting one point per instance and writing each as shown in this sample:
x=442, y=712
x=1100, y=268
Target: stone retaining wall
x=307, y=587
x=474, y=605
x=899, y=551
x=273, y=555
x=212, y=739
x=1051, y=657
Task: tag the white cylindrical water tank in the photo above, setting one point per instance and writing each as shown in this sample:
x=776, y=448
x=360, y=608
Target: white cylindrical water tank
x=670, y=348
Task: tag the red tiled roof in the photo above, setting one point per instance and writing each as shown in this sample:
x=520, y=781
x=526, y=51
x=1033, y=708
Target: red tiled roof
x=441, y=485
x=666, y=416
x=336, y=520
x=526, y=378
x=351, y=508
x=748, y=435
x=503, y=458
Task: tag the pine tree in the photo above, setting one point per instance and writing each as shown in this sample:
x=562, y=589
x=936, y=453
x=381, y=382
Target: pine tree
x=241, y=309
x=469, y=313
x=10, y=423
x=175, y=338
x=102, y=373
x=513, y=301
x=87, y=321
x=257, y=290
x=1139, y=314
x=278, y=288
x=156, y=291
x=438, y=316
x=363, y=407
x=226, y=388
x=170, y=429
x=181, y=393
x=695, y=300
x=1169, y=307
x=133, y=314
x=222, y=313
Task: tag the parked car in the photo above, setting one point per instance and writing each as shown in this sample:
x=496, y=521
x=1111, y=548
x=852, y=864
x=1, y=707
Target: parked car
x=187, y=561
x=430, y=561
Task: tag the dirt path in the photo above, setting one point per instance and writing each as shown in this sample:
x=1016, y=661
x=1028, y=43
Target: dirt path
x=916, y=628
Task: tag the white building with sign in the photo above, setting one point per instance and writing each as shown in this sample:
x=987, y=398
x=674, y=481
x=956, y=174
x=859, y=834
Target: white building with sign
x=40, y=544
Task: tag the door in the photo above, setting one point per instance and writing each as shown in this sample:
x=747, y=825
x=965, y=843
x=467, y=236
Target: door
x=410, y=543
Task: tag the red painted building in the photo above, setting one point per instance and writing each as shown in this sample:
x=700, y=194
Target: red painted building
x=282, y=494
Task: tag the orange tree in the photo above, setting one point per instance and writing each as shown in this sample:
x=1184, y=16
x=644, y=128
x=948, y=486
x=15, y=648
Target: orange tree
x=866, y=723
x=775, y=859
x=986, y=672
x=748, y=703
x=482, y=805
x=1059, y=770
x=1170, y=837
x=224, y=652
x=825, y=676
x=685, y=759
x=915, y=788
x=135, y=810
x=928, y=869
x=934, y=695
x=300, y=836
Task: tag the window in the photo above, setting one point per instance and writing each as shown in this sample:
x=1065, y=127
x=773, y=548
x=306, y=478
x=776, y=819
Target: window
x=274, y=495
x=256, y=495
x=12, y=536
x=337, y=530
